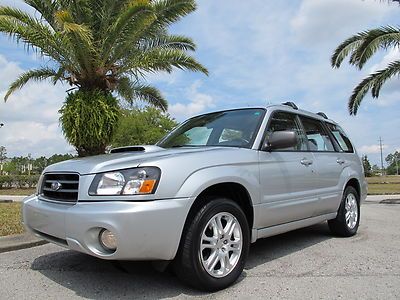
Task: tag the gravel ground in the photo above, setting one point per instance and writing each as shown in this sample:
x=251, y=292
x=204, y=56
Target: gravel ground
x=304, y=264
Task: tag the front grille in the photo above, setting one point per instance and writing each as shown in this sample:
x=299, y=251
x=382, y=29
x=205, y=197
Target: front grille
x=60, y=187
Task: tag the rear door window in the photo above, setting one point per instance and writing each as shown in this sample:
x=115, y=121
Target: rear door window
x=317, y=137
x=341, y=138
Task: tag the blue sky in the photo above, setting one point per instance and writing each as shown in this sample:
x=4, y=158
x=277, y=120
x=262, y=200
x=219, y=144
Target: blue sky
x=257, y=51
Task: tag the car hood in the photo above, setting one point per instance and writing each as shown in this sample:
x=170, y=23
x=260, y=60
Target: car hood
x=124, y=160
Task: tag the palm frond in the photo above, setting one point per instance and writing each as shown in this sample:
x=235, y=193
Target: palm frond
x=68, y=25
x=133, y=91
x=375, y=39
x=78, y=38
x=165, y=60
x=151, y=95
x=374, y=83
x=168, y=42
x=345, y=48
x=171, y=11
x=363, y=45
x=47, y=10
x=36, y=75
x=33, y=34
x=127, y=28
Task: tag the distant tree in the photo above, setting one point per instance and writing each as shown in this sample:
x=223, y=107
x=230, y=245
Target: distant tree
x=393, y=161
x=59, y=158
x=142, y=127
x=39, y=164
x=367, y=166
x=11, y=167
x=3, y=156
x=18, y=165
x=376, y=170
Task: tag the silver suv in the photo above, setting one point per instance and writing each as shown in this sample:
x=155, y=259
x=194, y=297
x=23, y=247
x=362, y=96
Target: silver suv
x=198, y=198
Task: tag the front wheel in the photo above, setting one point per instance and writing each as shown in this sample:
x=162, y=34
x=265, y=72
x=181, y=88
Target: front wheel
x=348, y=216
x=214, y=246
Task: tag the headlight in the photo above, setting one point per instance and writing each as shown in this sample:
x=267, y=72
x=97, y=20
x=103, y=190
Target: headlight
x=135, y=181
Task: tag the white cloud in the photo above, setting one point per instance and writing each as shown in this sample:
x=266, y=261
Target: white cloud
x=392, y=55
x=8, y=70
x=371, y=149
x=198, y=102
x=325, y=21
x=165, y=77
x=30, y=115
x=23, y=137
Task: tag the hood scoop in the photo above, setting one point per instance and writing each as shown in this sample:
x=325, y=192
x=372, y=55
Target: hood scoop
x=141, y=148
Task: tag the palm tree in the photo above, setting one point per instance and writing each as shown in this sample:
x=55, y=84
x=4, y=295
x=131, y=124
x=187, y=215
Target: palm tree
x=360, y=48
x=102, y=48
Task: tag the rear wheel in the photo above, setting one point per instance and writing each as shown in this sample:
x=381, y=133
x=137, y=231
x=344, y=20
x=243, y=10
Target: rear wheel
x=214, y=246
x=348, y=217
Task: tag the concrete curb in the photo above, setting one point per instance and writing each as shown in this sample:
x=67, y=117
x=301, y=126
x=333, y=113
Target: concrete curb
x=19, y=241
x=12, y=198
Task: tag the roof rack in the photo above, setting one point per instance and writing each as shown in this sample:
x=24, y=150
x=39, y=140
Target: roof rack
x=291, y=104
x=322, y=115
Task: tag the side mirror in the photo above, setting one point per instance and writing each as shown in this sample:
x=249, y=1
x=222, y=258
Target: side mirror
x=280, y=139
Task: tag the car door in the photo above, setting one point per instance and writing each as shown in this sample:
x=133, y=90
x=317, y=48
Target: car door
x=286, y=176
x=328, y=165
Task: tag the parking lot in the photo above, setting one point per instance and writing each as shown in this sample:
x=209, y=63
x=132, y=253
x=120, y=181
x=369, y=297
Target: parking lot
x=307, y=263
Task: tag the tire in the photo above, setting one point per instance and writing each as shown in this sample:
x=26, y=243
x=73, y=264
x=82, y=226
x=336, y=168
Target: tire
x=232, y=245
x=349, y=206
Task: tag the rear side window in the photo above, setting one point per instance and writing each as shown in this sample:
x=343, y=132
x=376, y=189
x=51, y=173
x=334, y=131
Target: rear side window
x=281, y=121
x=341, y=138
x=317, y=137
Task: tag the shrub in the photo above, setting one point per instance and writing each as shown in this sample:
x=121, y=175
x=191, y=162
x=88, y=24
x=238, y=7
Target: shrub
x=18, y=181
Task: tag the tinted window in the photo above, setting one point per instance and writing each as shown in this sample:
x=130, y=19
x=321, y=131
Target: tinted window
x=341, y=138
x=281, y=121
x=318, y=138
x=235, y=128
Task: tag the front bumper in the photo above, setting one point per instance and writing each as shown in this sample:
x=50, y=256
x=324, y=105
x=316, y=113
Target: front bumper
x=148, y=230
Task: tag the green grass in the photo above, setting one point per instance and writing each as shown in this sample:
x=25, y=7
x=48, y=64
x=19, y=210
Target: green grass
x=17, y=192
x=379, y=185
x=383, y=189
x=383, y=179
x=10, y=219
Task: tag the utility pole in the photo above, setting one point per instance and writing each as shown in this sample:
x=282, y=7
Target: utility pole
x=380, y=145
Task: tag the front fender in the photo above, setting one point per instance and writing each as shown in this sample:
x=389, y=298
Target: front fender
x=201, y=179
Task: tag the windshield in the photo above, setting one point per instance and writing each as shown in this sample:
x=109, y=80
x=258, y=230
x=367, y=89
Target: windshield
x=234, y=128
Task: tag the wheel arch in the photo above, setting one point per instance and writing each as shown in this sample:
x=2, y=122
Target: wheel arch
x=232, y=190
x=353, y=182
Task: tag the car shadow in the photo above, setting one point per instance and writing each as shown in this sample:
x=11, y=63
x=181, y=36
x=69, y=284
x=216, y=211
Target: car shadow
x=94, y=278
x=269, y=249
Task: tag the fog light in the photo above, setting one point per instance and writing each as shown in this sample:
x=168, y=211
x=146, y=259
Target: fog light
x=108, y=240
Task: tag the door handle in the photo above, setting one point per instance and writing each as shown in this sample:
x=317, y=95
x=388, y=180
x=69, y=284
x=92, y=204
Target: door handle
x=340, y=161
x=306, y=162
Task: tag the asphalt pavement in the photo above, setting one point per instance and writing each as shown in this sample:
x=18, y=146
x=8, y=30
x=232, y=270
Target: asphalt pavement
x=305, y=264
